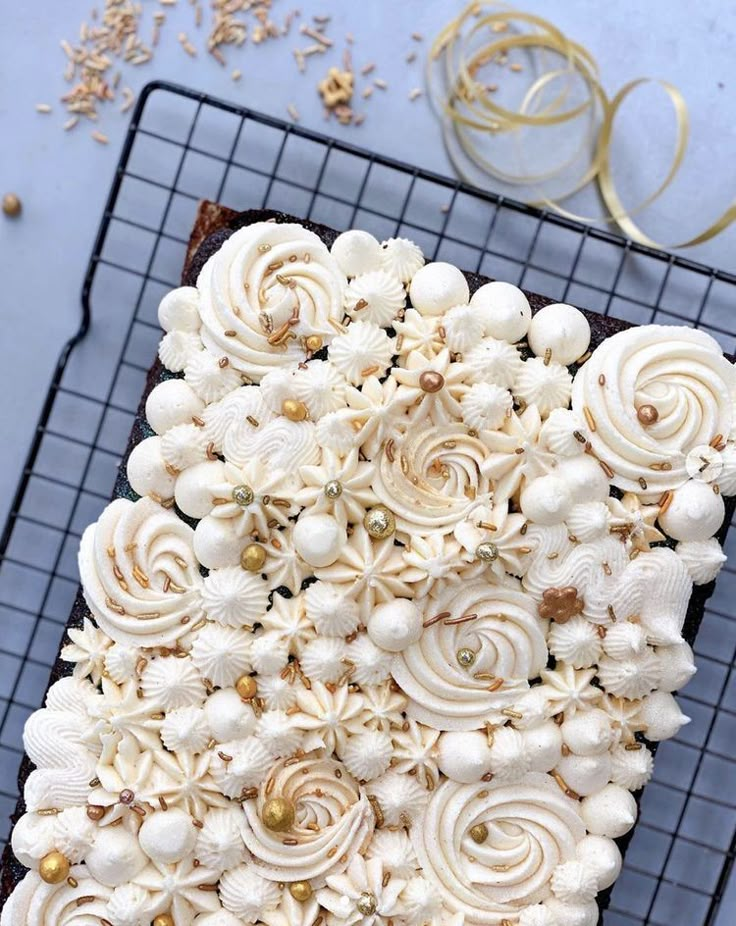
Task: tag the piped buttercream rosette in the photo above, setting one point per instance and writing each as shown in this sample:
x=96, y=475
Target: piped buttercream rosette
x=35, y=903
x=431, y=477
x=491, y=849
x=269, y=286
x=333, y=820
x=481, y=647
x=683, y=383
x=140, y=577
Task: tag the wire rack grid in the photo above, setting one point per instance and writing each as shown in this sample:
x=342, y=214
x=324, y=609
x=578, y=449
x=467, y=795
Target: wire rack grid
x=183, y=146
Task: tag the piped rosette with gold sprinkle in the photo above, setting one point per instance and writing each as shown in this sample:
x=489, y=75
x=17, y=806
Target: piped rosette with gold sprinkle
x=140, y=577
x=431, y=478
x=491, y=849
x=480, y=647
x=267, y=289
x=650, y=396
x=309, y=819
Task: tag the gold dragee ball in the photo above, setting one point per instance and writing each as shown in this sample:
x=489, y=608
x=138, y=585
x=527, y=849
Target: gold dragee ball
x=247, y=687
x=367, y=903
x=95, y=812
x=163, y=919
x=301, y=890
x=313, y=343
x=333, y=489
x=294, y=410
x=12, y=206
x=253, y=557
x=479, y=833
x=278, y=814
x=127, y=796
x=243, y=495
x=647, y=415
x=431, y=381
x=466, y=657
x=486, y=552
x=54, y=868
x=379, y=522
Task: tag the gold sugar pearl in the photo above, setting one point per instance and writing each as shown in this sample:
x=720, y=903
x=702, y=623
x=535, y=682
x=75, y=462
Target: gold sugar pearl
x=253, y=557
x=479, y=833
x=301, y=891
x=54, y=868
x=243, y=495
x=313, y=343
x=466, y=657
x=278, y=814
x=247, y=687
x=647, y=415
x=431, y=381
x=333, y=489
x=367, y=903
x=163, y=919
x=486, y=552
x=12, y=206
x=379, y=522
x=294, y=410
x=95, y=812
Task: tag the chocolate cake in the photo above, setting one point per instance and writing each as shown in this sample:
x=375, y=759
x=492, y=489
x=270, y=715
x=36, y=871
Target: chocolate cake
x=622, y=670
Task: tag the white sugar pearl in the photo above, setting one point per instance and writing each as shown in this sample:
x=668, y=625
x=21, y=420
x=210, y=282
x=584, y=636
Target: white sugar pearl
x=396, y=624
x=146, y=469
x=695, y=512
x=561, y=329
x=464, y=757
x=179, y=310
x=505, y=310
x=546, y=500
x=356, y=252
x=318, y=539
x=437, y=287
x=170, y=403
x=167, y=837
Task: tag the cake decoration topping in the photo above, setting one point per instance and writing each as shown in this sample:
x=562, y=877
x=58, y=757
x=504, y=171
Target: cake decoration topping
x=332, y=697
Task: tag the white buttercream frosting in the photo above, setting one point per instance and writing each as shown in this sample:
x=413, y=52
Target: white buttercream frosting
x=322, y=792
x=264, y=275
x=450, y=696
x=679, y=371
x=139, y=573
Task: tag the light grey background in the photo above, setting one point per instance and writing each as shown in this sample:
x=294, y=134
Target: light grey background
x=63, y=178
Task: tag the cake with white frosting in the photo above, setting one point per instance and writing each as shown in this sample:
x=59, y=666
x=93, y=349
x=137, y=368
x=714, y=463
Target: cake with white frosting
x=389, y=618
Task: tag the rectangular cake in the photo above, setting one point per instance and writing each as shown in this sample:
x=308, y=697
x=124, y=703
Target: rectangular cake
x=383, y=623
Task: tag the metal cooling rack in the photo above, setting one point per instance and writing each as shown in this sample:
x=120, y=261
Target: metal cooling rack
x=183, y=146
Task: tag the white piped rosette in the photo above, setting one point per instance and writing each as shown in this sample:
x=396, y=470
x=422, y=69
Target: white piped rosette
x=445, y=524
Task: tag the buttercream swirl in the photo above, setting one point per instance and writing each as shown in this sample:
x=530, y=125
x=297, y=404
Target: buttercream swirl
x=139, y=573
x=333, y=821
x=506, y=639
x=263, y=277
x=532, y=828
x=431, y=478
x=35, y=903
x=679, y=371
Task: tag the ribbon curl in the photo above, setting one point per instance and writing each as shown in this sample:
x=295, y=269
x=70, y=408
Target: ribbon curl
x=487, y=31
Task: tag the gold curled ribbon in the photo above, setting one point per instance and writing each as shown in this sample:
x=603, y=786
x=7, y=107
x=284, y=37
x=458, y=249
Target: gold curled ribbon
x=482, y=34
